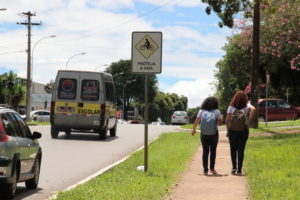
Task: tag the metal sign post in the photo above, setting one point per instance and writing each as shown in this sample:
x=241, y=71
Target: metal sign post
x=146, y=58
x=146, y=123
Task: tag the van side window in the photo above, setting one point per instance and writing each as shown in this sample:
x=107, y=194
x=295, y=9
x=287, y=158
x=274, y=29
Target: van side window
x=90, y=90
x=67, y=88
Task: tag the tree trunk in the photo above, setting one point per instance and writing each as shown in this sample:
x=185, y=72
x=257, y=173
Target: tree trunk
x=255, y=60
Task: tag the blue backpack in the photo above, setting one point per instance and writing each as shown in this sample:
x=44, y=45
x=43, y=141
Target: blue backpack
x=208, y=124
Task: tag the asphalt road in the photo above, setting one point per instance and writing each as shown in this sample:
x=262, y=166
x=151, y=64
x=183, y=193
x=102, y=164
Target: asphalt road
x=67, y=160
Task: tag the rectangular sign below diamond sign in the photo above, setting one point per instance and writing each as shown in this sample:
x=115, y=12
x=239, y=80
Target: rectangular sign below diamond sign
x=146, y=52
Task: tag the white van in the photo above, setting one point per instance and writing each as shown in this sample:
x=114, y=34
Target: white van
x=83, y=101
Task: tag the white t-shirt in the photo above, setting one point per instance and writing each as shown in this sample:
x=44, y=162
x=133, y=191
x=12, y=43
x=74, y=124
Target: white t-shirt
x=232, y=108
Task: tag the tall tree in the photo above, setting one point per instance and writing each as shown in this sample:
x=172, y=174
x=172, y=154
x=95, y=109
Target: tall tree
x=11, y=91
x=226, y=11
x=233, y=72
x=280, y=46
x=133, y=90
x=164, y=105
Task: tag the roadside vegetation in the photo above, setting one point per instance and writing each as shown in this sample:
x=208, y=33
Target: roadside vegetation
x=262, y=127
x=31, y=123
x=272, y=165
x=168, y=158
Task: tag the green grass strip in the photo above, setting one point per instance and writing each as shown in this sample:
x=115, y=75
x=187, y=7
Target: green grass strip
x=30, y=123
x=272, y=165
x=168, y=158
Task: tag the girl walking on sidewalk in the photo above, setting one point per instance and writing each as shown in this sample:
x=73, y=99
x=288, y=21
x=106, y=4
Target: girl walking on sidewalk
x=237, y=129
x=209, y=116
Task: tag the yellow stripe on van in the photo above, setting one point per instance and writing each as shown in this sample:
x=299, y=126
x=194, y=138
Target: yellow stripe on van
x=89, y=108
x=72, y=108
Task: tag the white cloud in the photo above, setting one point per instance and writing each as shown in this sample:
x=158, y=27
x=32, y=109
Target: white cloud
x=103, y=32
x=196, y=91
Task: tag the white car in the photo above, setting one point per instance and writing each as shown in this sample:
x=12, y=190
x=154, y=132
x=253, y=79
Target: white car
x=122, y=121
x=158, y=123
x=180, y=117
x=39, y=115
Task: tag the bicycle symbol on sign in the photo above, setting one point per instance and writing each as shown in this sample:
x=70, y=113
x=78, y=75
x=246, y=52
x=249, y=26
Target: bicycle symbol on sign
x=147, y=46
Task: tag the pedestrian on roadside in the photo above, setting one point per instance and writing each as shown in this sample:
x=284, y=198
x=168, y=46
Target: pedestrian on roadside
x=209, y=117
x=237, y=118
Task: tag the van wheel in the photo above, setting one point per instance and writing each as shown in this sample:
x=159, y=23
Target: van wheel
x=8, y=190
x=113, y=131
x=54, y=132
x=103, y=134
x=33, y=183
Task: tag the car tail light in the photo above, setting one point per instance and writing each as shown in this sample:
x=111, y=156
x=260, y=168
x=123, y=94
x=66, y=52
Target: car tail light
x=173, y=116
x=52, y=111
x=186, y=117
x=3, y=136
x=102, y=114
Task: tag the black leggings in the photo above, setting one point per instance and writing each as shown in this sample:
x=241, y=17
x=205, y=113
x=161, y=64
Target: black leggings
x=209, y=144
x=238, y=140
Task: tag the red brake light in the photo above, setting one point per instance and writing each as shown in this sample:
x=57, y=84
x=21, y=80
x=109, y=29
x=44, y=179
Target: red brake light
x=52, y=107
x=186, y=117
x=3, y=136
x=102, y=115
x=52, y=111
x=174, y=116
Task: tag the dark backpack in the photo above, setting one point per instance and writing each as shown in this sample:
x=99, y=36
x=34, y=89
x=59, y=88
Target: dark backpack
x=238, y=120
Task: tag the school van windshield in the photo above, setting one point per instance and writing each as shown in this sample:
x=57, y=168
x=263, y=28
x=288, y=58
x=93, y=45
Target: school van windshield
x=67, y=88
x=90, y=90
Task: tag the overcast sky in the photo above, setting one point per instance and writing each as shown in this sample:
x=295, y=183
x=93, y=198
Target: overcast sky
x=102, y=29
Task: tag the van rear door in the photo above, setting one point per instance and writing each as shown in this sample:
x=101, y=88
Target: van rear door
x=90, y=99
x=66, y=99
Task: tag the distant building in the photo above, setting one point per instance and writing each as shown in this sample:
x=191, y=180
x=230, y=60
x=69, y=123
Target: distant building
x=40, y=98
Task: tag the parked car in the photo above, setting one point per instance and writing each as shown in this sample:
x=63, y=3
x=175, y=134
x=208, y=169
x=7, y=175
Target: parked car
x=180, y=117
x=278, y=109
x=122, y=121
x=20, y=154
x=39, y=115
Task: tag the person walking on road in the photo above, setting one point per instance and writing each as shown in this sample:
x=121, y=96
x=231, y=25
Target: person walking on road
x=237, y=128
x=209, y=116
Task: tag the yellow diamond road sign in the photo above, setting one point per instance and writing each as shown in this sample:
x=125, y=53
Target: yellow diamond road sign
x=146, y=52
x=146, y=46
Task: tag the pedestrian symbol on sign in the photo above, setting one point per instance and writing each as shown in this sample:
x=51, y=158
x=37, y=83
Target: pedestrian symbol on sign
x=146, y=46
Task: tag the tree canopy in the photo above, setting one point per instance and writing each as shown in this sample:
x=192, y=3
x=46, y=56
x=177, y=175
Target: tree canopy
x=11, y=92
x=279, y=50
x=134, y=90
x=164, y=104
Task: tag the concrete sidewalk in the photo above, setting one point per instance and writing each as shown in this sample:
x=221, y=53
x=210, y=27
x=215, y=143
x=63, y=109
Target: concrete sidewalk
x=193, y=185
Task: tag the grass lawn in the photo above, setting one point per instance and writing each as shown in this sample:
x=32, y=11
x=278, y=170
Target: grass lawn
x=168, y=158
x=272, y=165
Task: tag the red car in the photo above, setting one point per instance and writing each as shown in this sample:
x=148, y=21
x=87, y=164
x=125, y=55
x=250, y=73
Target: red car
x=278, y=109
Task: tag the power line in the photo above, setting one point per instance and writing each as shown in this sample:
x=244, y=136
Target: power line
x=84, y=36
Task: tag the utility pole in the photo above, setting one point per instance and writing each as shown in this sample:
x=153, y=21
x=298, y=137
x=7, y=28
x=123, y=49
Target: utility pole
x=28, y=23
x=255, y=60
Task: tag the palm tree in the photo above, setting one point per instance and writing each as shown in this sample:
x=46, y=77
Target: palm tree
x=12, y=92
